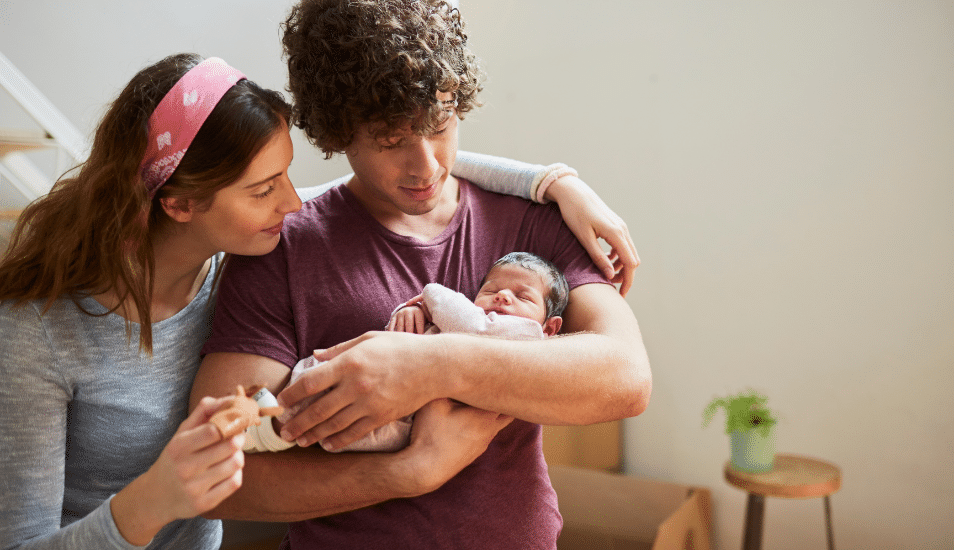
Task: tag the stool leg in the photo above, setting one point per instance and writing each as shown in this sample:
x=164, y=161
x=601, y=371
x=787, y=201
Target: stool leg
x=831, y=533
x=754, y=511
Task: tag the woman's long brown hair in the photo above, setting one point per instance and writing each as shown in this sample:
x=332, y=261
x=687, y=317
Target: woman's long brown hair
x=93, y=232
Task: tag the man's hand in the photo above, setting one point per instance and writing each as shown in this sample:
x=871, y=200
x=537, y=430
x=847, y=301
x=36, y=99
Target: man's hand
x=446, y=437
x=372, y=380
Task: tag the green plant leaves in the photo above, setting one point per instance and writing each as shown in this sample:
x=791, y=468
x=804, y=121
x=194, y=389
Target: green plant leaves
x=743, y=412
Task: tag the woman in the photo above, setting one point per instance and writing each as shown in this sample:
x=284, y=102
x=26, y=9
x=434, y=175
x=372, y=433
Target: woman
x=106, y=297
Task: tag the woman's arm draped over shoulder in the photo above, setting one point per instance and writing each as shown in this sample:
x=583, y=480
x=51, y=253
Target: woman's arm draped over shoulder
x=33, y=407
x=584, y=212
x=587, y=216
x=500, y=175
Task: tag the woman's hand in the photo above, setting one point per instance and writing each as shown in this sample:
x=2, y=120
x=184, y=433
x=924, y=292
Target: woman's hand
x=590, y=219
x=194, y=473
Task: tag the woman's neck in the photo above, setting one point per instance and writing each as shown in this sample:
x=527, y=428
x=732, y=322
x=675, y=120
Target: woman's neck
x=180, y=272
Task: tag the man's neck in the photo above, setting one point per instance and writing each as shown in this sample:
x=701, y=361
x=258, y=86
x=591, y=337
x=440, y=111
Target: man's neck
x=423, y=227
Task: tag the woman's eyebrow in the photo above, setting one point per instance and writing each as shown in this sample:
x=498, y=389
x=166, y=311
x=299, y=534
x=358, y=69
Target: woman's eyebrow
x=269, y=178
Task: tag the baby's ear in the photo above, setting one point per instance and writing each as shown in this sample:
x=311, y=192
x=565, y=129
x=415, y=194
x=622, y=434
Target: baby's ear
x=552, y=325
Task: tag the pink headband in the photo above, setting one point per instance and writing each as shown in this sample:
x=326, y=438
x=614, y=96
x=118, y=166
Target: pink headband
x=180, y=114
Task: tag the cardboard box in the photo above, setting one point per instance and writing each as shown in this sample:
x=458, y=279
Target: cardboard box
x=610, y=511
x=595, y=446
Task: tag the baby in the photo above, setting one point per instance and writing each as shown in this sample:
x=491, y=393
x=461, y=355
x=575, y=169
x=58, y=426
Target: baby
x=521, y=297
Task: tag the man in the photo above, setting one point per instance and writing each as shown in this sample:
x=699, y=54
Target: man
x=386, y=82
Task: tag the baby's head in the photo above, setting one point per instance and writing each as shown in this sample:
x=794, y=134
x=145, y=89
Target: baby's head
x=525, y=285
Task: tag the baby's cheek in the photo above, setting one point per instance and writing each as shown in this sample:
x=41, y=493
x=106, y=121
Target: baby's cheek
x=540, y=314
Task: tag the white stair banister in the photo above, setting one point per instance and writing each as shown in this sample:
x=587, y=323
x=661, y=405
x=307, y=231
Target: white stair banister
x=51, y=119
x=29, y=180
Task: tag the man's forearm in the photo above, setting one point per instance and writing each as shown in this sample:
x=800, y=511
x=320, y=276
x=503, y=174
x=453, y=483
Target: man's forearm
x=598, y=375
x=577, y=379
x=300, y=484
x=305, y=483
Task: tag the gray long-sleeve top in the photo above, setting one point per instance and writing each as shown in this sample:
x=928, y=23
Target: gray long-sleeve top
x=83, y=413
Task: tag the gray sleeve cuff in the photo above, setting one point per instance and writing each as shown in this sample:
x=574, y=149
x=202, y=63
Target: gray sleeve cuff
x=498, y=174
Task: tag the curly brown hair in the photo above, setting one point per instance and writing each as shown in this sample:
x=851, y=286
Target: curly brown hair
x=379, y=62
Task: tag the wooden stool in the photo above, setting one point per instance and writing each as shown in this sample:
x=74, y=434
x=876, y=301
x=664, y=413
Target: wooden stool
x=792, y=476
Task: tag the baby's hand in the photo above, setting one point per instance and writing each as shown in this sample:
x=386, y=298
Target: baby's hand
x=409, y=319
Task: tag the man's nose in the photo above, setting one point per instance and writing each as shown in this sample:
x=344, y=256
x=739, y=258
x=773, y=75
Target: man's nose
x=422, y=159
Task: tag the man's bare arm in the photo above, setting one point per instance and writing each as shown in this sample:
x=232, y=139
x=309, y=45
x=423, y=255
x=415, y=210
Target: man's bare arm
x=304, y=483
x=598, y=373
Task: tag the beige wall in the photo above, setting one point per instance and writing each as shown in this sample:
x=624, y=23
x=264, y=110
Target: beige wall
x=787, y=171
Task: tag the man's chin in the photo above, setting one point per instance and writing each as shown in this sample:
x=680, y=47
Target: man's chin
x=419, y=208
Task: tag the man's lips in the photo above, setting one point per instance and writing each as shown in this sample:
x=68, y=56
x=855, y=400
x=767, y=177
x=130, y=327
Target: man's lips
x=420, y=194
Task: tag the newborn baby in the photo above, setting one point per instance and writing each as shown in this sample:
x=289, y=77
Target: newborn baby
x=521, y=297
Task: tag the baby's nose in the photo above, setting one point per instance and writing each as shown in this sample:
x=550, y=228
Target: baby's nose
x=503, y=296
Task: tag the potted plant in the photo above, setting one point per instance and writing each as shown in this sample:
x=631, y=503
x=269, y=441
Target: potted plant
x=749, y=423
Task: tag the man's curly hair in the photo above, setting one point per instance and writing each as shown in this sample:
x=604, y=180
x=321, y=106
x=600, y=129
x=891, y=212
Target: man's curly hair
x=379, y=62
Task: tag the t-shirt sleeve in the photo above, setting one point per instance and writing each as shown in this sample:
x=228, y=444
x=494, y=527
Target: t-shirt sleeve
x=253, y=310
x=550, y=238
x=34, y=398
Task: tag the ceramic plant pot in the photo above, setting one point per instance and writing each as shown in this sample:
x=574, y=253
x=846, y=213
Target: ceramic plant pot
x=752, y=451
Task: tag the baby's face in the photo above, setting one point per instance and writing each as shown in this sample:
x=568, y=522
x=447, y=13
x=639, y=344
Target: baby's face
x=514, y=290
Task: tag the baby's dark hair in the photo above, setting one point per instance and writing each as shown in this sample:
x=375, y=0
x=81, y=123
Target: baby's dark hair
x=558, y=291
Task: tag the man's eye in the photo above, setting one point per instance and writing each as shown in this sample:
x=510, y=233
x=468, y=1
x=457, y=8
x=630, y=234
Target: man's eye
x=390, y=143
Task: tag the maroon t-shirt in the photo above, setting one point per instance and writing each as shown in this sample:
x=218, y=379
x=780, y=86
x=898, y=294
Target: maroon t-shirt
x=338, y=273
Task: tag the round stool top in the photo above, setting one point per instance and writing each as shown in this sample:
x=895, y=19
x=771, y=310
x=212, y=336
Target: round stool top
x=792, y=476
